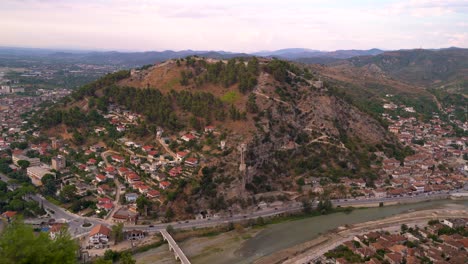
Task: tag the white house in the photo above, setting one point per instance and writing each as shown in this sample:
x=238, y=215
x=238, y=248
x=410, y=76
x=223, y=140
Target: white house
x=100, y=234
x=131, y=197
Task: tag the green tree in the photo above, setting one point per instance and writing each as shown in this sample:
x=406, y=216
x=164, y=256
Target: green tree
x=404, y=228
x=169, y=213
x=117, y=233
x=68, y=193
x=260, y=221
x=142, y=204
x=23, y=164
x=126, y=258
x=78, y=138
x=102, y=261
x=48, y=181
x=251, y=105
x=306, y=206
x=324, y=206
x=19, y=245
x=3, y=187
x=111, y=255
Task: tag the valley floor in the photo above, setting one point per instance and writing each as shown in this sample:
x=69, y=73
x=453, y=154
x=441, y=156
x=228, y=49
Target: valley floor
x=211, y=249
x=311, y=250
x=227, y=247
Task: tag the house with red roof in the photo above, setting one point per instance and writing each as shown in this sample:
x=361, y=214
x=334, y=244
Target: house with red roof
x=209, y=129
x=104, y=189
x=191, y=162
x=110, y=170
x=132, y=177
x=101, y=178
x=105, y=203
x=9, y=214
x=153, y=154
x=142, y=188
x=188, y=137
x=123, y=171
x=100, y=234
x=176, y=171
x=117, y=158
x=152, y=194
x=164, y=185
x=181, y=155
x=56, y=229
x=147, y=148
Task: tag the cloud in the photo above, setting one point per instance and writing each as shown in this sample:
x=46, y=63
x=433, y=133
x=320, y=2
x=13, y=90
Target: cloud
x=428, y=8
x=458, y=39
x=236, y=25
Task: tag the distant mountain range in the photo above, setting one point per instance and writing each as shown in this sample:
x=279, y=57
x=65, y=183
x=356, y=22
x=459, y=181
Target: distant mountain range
x=418, y=66
x=135, y=59
x=297, y=53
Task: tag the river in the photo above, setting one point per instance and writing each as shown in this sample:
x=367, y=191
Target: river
x=284, y=235
x=223, y=250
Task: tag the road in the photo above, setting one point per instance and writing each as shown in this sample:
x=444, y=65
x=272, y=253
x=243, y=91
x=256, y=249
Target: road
x=116, y=203
x=58, y=213
x=76, y=221
x=166, y=148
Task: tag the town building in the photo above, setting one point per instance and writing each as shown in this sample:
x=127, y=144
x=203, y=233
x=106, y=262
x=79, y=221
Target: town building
x=100, y=234
x=58, y=162
x=36, y=174
x=32, y=161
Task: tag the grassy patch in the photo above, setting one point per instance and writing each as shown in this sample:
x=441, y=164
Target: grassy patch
x=247, y=236
x=170, y=84
x=212, y=233
x=230, y=97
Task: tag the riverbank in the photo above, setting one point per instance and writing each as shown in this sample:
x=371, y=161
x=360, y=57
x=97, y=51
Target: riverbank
x=215, y=248
x=285, y=233
x=310, y=250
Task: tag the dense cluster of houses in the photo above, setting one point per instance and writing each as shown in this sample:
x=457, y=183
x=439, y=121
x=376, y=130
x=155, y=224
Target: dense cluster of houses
x=13, y=107
x=427, y=244
x=438, y=163
x=138, y=170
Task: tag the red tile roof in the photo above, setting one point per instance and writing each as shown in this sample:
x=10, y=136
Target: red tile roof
x=100, y=229
x=9, y=214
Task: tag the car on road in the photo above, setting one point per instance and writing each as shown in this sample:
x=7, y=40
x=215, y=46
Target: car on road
x=151, y=226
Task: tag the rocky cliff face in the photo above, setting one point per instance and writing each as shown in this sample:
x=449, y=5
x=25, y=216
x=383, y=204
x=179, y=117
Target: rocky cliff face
x=306, y=131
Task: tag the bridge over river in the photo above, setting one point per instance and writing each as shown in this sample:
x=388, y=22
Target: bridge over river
x=179, y=254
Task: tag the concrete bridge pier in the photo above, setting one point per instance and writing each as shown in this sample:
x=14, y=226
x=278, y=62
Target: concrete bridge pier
x=173, y=247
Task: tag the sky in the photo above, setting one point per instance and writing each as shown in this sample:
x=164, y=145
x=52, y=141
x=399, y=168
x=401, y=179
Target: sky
x=233, y=25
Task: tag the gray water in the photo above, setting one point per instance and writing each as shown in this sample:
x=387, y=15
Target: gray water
x=284, y=235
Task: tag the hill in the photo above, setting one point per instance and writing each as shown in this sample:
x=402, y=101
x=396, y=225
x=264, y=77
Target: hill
x=427, y=80
x=293, y=127
x=429, y=68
